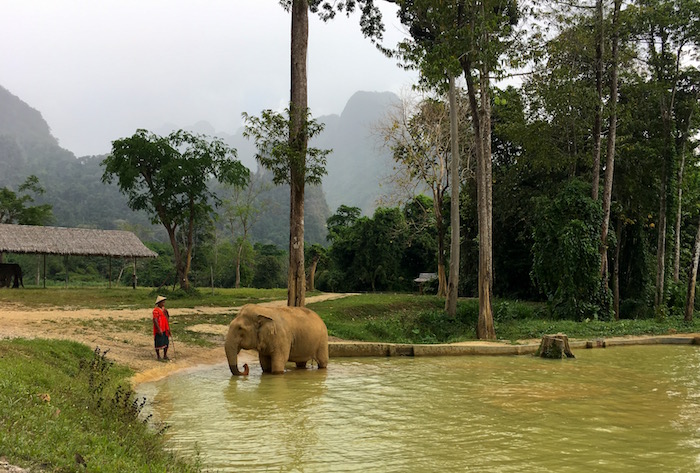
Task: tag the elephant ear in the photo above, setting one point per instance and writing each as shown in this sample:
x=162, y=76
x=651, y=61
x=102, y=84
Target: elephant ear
x=266, y=322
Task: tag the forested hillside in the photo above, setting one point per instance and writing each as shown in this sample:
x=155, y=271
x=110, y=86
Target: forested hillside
x=73, y=186
x=79, y=197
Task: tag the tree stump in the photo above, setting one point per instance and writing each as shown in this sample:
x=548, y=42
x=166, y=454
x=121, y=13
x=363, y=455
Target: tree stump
x=555, y=346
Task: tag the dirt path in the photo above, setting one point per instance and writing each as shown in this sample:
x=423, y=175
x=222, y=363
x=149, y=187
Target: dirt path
x=133, y=348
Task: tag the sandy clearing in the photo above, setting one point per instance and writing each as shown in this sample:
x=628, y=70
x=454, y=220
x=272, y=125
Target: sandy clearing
x=127, y=347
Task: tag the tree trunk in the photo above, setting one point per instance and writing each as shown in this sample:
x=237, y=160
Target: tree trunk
x=177, y=257
x=296, y=278
x=311, y=285
x=555, y=346
x=692, y=278
x=616, y=271
x=453, y=284
x=610, y=154
x=661, y=246
x=440, y=224
x=677, y=230
x=481, y=117
x=598, y=119
x=185, y=281
x=677, y=255
x=238, y=264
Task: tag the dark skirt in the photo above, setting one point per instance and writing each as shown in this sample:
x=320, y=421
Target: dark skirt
x=161, y=341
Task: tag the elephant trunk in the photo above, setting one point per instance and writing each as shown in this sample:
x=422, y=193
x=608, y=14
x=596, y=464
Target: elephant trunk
x=232, y=356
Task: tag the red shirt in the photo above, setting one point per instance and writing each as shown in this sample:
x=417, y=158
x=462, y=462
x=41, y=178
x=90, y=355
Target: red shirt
x=160, y=319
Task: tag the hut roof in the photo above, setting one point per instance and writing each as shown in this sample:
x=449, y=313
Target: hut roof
x=71, y=241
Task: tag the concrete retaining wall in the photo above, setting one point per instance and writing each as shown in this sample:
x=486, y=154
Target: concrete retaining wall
x=368, y=349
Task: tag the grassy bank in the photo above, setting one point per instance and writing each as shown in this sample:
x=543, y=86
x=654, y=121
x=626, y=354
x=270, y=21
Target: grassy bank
x=407, y=318
x=401, y=318
x=65, y=408
x=128, y=298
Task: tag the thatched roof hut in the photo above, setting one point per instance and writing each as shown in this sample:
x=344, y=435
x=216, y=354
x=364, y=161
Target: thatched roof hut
x=71, y=241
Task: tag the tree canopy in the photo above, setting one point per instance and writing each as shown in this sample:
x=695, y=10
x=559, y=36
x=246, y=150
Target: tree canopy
x=168, y=178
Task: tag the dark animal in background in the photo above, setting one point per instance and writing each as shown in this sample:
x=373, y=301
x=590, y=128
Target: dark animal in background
x=9, y=271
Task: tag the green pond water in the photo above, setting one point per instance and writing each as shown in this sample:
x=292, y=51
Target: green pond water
x=612, y=410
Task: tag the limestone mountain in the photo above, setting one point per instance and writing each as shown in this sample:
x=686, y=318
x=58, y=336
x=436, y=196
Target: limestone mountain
x=358, y=162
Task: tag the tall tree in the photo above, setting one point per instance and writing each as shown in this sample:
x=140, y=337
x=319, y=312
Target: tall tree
x=669, y=29
x=453, y=287
x=241, y=210
x=474, y=36
x=298, y=128
x=610, y=151
x=168, y=178
x=598, y=117
x=419, y=137
x=298, y=140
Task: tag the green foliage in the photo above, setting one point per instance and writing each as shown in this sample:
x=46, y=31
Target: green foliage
x=566, y=261
x=166, y=175
x=64, y=408
x=270, y=132
x=168, y=178
x=367, y=253
x=270, y=267
x=15, y=206
x=447, y=35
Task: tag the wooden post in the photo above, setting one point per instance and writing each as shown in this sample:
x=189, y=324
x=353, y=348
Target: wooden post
x=133, y=275
x=555, y=346
x=110, y=272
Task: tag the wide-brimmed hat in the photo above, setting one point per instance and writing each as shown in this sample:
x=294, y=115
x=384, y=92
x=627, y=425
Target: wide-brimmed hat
x=159, y=299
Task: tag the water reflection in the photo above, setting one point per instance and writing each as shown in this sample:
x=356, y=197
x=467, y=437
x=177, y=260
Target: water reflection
x=611, y=410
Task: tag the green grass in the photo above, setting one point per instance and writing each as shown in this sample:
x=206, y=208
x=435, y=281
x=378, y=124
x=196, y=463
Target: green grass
x=401, y=318
x=62, y=405
x=407, y=318
x=128, y=298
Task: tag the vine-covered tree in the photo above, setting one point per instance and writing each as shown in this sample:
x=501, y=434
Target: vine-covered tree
x=168, y=178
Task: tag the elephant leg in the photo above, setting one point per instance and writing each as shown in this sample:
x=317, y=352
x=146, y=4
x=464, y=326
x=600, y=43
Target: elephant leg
x=278, y=362
x=266, y=363
x=301, y=364
x=322, y=357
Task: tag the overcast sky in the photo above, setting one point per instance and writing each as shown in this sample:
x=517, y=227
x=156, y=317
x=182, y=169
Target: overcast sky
x=98, y=70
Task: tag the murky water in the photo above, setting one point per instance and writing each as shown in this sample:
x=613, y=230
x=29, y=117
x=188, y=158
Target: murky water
x=616, y=409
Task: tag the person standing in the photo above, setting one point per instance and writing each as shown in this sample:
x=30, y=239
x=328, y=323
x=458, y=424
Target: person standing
x=161, y=328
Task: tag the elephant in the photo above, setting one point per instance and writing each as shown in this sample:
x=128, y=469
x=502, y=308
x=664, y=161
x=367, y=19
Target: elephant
x=279, y=334
x=7, y=272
